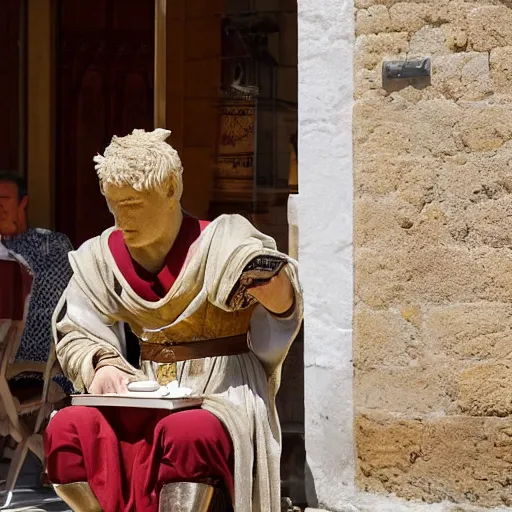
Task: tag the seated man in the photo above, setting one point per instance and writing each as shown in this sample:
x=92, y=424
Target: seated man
x=218, y=299
x=45, y=254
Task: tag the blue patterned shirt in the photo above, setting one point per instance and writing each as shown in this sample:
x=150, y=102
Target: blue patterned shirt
x=46, y=253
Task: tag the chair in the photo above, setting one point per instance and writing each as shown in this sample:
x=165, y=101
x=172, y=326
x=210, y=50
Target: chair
x=14, y=299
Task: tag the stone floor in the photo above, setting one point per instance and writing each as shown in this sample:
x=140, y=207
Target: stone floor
x=29, y=495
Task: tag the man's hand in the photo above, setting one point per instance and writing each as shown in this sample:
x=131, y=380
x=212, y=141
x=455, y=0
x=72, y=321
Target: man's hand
x=276, y=295
x=109, y=379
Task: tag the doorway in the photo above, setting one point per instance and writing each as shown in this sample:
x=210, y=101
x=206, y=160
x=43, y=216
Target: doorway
x=104, y=82
x=12, y=85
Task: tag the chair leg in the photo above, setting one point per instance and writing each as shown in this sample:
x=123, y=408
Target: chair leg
x=35, y=445
x=3, y=444
x=14, y=471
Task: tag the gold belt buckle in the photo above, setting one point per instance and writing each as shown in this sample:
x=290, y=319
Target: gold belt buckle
x=169, y=354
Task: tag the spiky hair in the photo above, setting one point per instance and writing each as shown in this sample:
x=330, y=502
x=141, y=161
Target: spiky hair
x=142, y=160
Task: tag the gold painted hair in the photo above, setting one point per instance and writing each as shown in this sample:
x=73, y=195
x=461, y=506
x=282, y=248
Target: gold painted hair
x=142, y=160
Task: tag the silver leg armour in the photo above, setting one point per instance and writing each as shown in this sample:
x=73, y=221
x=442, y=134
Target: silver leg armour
x=186, y=497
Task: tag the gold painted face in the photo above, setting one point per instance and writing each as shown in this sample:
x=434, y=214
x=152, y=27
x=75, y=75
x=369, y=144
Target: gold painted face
x=143, y=217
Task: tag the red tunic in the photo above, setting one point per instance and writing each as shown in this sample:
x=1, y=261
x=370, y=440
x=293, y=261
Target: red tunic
x=127, y=455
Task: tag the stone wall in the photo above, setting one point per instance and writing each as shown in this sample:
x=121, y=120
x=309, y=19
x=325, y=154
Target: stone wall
x=433, y=265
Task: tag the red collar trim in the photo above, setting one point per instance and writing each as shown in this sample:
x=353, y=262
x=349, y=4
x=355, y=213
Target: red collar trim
x=148, y=286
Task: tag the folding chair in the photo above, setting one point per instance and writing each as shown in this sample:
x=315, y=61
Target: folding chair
x=16, y=283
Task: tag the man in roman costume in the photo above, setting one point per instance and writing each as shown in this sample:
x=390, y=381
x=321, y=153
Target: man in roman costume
x=216, y=298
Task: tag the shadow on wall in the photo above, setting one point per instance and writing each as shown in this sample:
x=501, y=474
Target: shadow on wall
x=311, y=495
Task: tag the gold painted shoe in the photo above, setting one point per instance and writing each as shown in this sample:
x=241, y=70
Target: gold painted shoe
x=186, y=497
x=78, y=496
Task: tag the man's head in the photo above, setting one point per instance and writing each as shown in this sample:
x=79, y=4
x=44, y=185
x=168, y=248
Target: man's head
x=13, y=204
x=141, y=178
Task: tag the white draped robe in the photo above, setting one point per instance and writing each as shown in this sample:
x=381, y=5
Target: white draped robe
x=240, y=390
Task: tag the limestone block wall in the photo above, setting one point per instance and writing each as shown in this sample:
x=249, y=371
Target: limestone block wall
x=432, y=249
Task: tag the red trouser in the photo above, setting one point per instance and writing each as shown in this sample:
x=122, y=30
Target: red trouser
x=127, y=454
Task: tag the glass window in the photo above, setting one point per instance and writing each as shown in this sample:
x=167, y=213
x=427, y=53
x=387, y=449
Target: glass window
x=254, y=168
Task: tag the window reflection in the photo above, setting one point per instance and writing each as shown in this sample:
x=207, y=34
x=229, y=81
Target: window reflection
x=255, y=167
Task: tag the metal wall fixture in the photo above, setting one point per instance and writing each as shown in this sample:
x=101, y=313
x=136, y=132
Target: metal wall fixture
x=399, y=74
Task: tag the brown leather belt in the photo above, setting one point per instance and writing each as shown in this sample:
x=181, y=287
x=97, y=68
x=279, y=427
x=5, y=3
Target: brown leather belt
x=176, y=352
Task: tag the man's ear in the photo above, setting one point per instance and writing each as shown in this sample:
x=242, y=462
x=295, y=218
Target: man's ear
x=24, y=203
x=170, y=190
x=21, y=224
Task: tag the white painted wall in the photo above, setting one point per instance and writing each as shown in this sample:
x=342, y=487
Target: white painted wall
x=326, y=36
